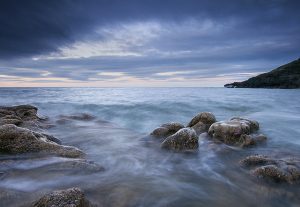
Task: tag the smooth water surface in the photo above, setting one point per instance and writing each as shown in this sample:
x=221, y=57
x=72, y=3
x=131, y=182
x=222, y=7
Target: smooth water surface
x=141, y=174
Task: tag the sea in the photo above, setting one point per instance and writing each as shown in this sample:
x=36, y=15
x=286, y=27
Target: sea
x=139, y=173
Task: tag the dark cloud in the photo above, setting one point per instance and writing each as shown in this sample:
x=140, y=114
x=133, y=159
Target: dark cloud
x=37, y=27
x=145, y=39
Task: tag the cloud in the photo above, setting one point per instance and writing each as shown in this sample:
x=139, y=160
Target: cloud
x=145, y=41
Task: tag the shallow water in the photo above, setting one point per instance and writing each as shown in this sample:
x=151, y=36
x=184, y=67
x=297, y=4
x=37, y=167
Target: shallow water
x=137, y=172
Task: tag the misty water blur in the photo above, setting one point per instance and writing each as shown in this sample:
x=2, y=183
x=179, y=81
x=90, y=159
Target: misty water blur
x=137, y=172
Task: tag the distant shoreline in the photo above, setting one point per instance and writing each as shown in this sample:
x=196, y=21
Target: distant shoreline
x=284, y=77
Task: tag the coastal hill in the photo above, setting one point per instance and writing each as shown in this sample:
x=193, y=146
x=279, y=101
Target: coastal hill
x=285, y=76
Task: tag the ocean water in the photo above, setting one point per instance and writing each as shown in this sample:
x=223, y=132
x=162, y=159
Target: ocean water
x=141, y=174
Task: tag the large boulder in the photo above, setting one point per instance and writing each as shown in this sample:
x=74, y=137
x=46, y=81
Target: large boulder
x=236, y=131
x=167, y=129
x=184, y=139
x=16, y=140
x=72, y=197
x=202, y=121
x=277, y=170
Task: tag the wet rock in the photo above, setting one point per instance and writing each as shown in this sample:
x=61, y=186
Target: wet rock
x=277, y=170
x=184, y=139
x=204, y=117
x=49, y=137
x=252, y=140
x=202, y=121
x=167, y=129
x=256, y=160
x=254, y=125
x=25, y=112
x=17, y=114
x=236, y=131
x=22, y=116
x=72, y=197
x=16, y=140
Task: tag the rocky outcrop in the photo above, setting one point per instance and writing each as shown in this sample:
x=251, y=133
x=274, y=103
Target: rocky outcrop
x=167, y=129
x=22, y=116
x=72, y=197
x=16, y=140
x=277, y=170
x=237, y=131
x=202, y=121
x=286, y=76
x=184, y=139
x=17, y=114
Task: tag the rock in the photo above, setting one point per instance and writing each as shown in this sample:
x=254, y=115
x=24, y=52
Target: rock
x=236, y=131
x=252, y=140
x=20, y=113
x=204, y=117
x=72, y=197
x=276, y=170
x=49, y=137
x=184, y=139
x=256, y=160
x=254, y=125
x=202, y=121
x=16, y=140
x=22, y=116
x=25, y=112
x=167, y=129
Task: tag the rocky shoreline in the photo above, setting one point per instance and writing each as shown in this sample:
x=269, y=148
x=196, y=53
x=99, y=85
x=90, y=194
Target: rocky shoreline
x=23, y=132
x=238, y=132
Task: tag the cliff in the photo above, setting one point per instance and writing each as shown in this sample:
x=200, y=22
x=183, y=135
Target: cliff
x=285, y=76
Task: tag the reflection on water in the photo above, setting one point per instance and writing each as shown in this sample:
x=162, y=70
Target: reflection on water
x=137, y=172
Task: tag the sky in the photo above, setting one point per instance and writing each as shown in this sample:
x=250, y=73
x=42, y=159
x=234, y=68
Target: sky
x=144, y=43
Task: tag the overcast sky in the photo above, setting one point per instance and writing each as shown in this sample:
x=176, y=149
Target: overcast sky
x=112, y=43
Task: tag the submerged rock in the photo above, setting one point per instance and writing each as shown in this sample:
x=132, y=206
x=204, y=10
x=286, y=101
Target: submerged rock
x=16, y=140
x=72, y=197
x=277, y=170
x=202, y=121
x=76, y=166
x=167, y=129
x=79, y=116
x=184, y=139
x=236, y=131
